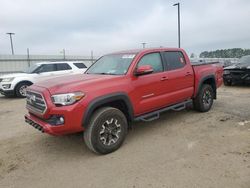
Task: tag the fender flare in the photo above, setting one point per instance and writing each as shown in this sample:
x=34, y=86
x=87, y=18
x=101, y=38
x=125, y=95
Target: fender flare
x=22, y=82
x=203, y=80
x=102, y=100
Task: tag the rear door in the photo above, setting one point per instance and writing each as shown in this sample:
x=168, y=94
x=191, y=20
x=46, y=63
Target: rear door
x=179, y=85
x=62, y=68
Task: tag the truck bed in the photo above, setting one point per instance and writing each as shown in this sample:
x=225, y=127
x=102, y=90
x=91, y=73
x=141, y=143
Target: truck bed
x=205, y=70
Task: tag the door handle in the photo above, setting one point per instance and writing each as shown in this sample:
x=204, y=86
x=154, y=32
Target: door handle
x=188, y=73
x=164, y=78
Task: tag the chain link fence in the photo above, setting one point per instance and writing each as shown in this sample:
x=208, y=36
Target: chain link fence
x=18, y=63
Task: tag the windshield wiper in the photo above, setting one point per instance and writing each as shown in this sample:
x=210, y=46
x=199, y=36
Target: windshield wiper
x=106, y=73
x=103, y=73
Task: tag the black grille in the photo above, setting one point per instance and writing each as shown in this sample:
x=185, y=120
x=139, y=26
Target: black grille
x=35, y=102
x=237, y=73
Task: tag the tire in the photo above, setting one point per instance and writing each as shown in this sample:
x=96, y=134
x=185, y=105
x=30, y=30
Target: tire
x=20, y=89
x=227, y=82
x=204, y=100
x=106, y=130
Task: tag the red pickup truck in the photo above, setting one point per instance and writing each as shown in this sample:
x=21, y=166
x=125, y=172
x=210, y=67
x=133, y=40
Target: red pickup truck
x=120, y=88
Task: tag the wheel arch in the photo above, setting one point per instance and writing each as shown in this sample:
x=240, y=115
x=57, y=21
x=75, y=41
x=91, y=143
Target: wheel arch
x=210, y=80
x=119, y=100
x=23, y=81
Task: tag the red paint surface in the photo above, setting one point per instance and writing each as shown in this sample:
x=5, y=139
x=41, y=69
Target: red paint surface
x=147, y=93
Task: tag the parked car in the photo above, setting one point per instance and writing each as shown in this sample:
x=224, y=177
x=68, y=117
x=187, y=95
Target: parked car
x=118, y=89
x=16, y=84
x=238, y=73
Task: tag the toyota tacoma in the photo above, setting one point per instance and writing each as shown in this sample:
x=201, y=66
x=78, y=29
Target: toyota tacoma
x=120, y=88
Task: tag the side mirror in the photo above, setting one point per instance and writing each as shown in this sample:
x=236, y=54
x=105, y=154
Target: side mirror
x=143, y=70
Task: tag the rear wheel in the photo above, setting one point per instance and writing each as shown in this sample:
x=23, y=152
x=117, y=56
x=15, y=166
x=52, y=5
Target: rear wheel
x=204, y=100
x=20, y=90
x=106, y=131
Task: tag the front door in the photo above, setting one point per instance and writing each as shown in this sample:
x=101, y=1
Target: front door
x=148, y=89
x=45, y=71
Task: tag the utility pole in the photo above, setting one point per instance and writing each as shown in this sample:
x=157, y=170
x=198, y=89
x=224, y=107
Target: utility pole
x=11, y=43
x=28, y=56
x=144, y=44
x=92, y=56
x=63, y=52
x=64, y=56
x=179, y=24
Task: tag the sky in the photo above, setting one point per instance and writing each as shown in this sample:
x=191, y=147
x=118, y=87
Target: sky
x=79, y=26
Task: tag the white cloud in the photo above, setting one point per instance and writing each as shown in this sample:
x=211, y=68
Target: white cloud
x=108, y=25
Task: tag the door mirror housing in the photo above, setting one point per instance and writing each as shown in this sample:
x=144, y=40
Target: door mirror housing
x=143, y=70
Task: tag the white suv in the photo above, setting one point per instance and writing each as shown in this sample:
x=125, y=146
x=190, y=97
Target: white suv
x=16, y=84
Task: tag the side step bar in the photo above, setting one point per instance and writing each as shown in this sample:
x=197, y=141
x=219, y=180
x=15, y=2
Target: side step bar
x=156, y=114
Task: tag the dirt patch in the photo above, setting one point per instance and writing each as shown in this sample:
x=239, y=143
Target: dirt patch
x=181, y=149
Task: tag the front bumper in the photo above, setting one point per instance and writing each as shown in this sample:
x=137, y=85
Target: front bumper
x=237, y=78
x=7, y=92
x=41, y=125
x=72, y=123
x=47, y=121
x=6, y=88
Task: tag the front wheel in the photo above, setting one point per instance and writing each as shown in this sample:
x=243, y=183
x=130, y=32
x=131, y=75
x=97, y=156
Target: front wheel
x=20, y=90
x=227, y=82
x=204, y=100
x=106, y=130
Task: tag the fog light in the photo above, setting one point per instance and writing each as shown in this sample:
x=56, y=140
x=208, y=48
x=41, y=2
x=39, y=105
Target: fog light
x=61, y=119
x=56, y=120
x=6, y=86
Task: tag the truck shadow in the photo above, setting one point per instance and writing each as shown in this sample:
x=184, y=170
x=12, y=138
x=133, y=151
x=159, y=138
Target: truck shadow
x=68, y=145
x=73, y=145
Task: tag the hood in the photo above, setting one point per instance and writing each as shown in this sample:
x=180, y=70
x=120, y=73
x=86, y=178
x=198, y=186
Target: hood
x=14, y=75
x=73, y=83
x=237, y=67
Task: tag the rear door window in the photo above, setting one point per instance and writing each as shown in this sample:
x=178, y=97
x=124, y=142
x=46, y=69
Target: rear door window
x=63, y=66
x=80, y=65
x=174, y=60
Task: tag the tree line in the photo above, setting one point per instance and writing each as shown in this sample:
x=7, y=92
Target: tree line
x=225, y=53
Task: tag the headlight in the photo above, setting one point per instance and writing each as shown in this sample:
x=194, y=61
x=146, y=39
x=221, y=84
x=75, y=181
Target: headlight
x=8, y=79
x=67, y=98
x=226, y=72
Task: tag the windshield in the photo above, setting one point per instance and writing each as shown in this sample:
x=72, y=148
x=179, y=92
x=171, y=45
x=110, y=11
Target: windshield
x=245, y=61
x=116, y=64
x=31, y=69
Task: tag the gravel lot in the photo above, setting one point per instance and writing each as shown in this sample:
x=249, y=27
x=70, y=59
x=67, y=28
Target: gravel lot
x=181, y=149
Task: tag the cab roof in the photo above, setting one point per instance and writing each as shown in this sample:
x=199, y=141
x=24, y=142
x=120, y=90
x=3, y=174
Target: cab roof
x=145, y=50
